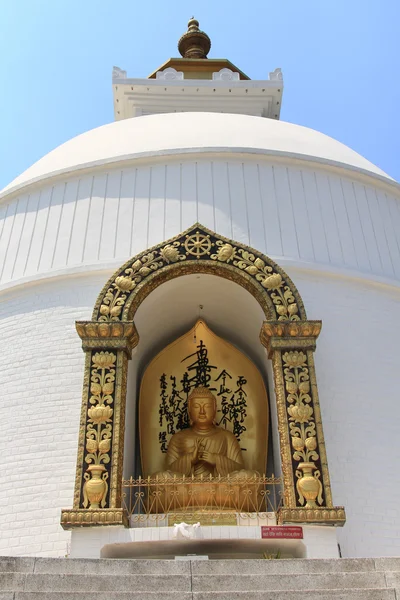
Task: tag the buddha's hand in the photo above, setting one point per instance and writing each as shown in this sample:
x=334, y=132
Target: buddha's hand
x=195, y=454
x=208, y=457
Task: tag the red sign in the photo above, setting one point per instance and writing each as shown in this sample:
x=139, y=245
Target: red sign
x=286, y=532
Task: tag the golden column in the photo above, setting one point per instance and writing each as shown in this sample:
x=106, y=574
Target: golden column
x=307, y=490
x=98, y=484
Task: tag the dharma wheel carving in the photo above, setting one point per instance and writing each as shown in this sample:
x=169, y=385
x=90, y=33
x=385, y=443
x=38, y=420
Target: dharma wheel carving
x=290, y=340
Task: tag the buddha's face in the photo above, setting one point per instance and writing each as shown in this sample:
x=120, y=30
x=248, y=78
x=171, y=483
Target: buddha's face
x=202, y=411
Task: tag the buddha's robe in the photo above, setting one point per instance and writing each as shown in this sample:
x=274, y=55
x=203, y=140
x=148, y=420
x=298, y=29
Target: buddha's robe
x=220, y=442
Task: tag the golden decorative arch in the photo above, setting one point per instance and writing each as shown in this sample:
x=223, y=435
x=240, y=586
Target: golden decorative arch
x=288, y=336
x=199, y=250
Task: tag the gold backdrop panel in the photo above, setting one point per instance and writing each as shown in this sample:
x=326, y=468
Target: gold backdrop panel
x=201, y=358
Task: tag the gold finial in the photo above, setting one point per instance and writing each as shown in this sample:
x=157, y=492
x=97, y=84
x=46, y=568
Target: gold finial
x=194, y=43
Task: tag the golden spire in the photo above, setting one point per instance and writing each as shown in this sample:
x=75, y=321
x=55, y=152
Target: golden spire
x=194, y=43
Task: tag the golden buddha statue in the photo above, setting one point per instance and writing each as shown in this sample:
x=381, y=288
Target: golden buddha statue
x=204, y=450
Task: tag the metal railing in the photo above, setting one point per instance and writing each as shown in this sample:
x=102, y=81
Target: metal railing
x=160, y=501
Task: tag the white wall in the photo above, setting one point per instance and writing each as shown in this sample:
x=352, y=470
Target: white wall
x=41, y=378
x=41, y=383
x=308, y=215
x=357, y=363
x=309, y=219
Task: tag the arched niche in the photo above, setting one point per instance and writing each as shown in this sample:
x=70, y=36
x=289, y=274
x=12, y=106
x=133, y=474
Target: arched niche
x=288, y=336
x=169, y=312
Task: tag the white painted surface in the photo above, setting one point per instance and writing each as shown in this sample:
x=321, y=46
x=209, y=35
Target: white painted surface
x=318, y=542
x=187, y=132
x=326, y=226
x=41, y=370
x=170, y=92
x=306, y=215
x=41, y=374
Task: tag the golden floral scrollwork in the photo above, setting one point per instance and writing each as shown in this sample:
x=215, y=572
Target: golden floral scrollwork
x=280, y=293
x=302, y=428
x=99, y=429
x=117, y=293
x=201, y=246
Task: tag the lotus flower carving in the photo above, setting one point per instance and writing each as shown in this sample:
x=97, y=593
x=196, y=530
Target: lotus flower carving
x=95, y=389
x=100, y=413
x=125, y=284
x=104, y=446
x=108, y=388
x=301, y=413
x=298, y=443
x=91, y=446
x=295, y=359
x=273, y=282
x=226, y=253
x=304, y=387
x=170, y=254
x=291, y=387
x=103, y=360
x=259, y=263
x=311, y=443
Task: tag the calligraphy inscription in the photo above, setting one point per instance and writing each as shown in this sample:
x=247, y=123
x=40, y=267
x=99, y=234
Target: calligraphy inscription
x=232, y=396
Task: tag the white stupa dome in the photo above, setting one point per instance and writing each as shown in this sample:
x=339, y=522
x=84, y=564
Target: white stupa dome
x=178, y=133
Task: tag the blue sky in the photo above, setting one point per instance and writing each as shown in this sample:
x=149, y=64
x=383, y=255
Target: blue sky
x=340, y=61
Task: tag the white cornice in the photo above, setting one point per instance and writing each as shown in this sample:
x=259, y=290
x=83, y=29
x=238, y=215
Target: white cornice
x=141, y=157
x=137, y=97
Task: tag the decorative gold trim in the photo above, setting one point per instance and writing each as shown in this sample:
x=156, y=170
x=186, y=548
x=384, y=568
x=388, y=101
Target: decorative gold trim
x=284, y=438
x=334, y=515
x=113, y=335
x=205, y=251
x=299, y=335
x=290, y=329
x=71, y=519
x=286, y=333
x=303, y=453
x=119, y=431
x=121, y=338
x=253, y=495
x=99, y=429
x=320, y=432
x=82, y=432
x=193, y=67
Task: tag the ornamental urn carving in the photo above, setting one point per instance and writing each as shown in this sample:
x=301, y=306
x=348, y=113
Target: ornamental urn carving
x=308, y=486
x=95, y=489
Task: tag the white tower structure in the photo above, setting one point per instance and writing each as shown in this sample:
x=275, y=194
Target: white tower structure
x=198, y=142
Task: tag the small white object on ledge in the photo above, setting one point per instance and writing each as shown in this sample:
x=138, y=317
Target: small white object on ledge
x=185, y=531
